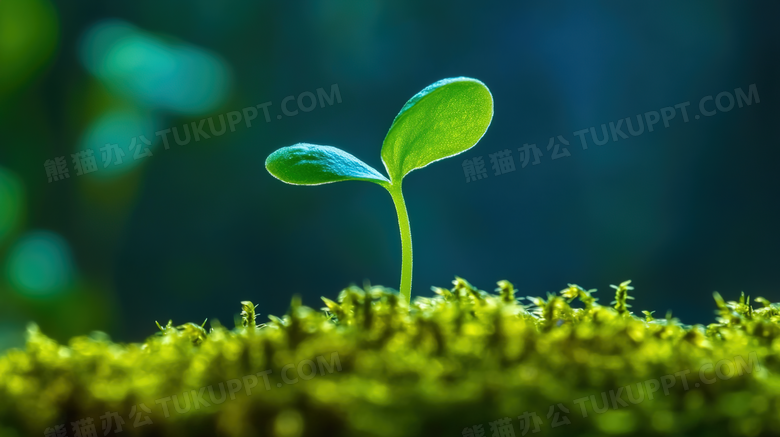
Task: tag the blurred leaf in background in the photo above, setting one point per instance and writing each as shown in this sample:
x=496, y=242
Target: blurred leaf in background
x=28, y=38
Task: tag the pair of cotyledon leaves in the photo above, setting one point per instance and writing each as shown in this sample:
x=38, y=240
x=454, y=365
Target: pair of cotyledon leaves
x=443, y=120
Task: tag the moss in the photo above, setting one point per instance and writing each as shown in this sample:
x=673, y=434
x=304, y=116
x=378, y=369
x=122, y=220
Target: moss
x=462, y=363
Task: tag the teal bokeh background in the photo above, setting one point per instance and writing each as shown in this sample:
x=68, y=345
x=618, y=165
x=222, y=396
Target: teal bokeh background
x=189, y=230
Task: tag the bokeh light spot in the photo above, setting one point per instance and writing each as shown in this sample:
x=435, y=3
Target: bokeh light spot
x=179, y=77
x=119, y=127
x=40, y=264
x=28, y=36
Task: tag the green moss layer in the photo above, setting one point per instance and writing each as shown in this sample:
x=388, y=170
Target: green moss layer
x=465, y=363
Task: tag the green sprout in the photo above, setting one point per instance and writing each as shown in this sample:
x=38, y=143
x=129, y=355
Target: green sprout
x=248, y=315
x=197, y=334
x=443, y=120
x=621, y=296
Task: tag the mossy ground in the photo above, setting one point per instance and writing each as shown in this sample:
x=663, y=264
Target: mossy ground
x=465, y=363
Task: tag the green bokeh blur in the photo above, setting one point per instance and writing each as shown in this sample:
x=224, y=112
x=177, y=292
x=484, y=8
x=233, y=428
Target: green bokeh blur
x=181, y=226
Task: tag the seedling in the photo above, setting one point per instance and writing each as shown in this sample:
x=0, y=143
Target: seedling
x=443, y=120
x=196, y=333
x=248, y=315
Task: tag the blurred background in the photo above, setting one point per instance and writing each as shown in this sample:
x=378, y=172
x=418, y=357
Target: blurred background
x=143, y=230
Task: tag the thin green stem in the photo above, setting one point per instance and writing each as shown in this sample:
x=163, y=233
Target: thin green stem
x=406, y=241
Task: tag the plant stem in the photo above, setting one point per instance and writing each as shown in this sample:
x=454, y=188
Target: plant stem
x=406, y=241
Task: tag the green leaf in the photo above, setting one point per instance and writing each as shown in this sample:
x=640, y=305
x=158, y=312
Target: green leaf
x=443, y=120
x=310, y=164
